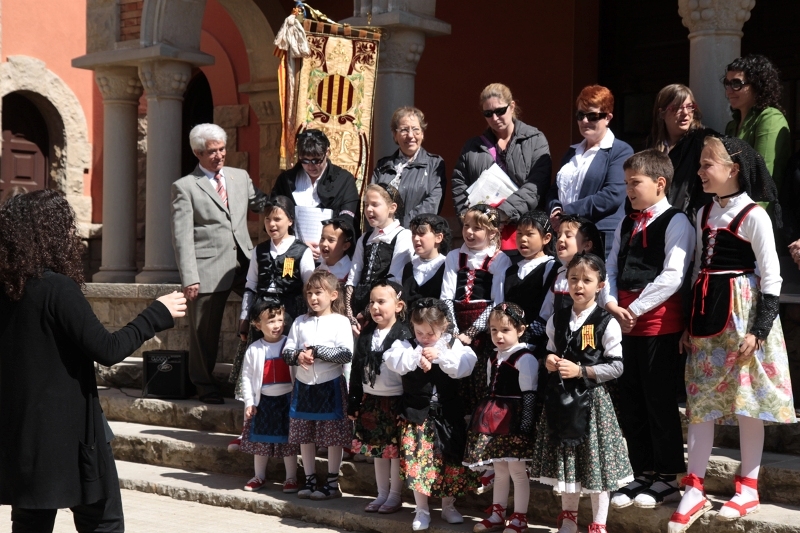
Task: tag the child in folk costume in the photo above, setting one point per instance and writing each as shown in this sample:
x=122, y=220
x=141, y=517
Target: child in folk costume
x=472, y=284
x=376, y=392
x=575, y=235
x=647, y=265
x=433, y=435
x=422, y=277
x=737, y=369
x=579, y=446
x=500, y=432
x=336, y=247
x=320, y=343
x=381, y=252
x=527, y=283
x=266, y=386
x=280, y=266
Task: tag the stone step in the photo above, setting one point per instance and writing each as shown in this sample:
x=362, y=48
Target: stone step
x=226, y=491
x=128, y=374
x=127, y=405
x=779, y=481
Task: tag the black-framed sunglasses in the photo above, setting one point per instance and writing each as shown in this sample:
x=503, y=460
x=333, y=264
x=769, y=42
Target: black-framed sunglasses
x=735, y=84
x=499, y=111
x=592, y=116
x=311, y=161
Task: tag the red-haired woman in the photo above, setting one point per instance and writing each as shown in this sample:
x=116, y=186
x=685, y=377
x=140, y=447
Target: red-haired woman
x=591, y=182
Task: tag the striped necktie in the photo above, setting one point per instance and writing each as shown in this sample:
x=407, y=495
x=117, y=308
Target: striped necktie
x=223, y=194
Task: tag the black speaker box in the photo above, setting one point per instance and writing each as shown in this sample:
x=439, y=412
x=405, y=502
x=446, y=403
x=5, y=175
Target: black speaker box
x=165, y=374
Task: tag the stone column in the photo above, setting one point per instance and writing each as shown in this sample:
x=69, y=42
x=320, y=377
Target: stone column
x=164, y=83
x=121, y=89
x=715, y=37
x=266, y=105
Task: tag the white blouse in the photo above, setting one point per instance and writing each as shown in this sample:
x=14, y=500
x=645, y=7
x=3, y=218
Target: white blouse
x=457, y=362
x=526, y=266
x=332, y=330
x=341, y=269
x=475, y=259
x=756, y=228
x=570, y=178
x=424, y=270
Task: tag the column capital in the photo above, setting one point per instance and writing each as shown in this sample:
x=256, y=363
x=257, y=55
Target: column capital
x=400, y=50
x=165, y=79
x=715, y=16
x=119, y=84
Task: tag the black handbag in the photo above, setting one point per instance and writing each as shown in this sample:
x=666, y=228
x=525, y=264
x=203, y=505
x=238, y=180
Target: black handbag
x=91, y=464
x=567, y=404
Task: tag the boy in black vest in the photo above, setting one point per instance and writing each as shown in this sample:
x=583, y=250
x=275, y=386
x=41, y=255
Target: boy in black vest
x=653, y=248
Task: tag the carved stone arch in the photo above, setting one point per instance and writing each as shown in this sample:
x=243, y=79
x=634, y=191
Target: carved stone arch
x=174, y=23
x=70, y=150
x=257, y=35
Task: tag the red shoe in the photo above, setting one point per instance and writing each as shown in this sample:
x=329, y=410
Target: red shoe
x=740, y=510
x=290, y=486
x=487, y=525
x=523, y=524
x=254, y=484
x=681, y=522
x=566, y=515
x=233, y=446
x=594, y=527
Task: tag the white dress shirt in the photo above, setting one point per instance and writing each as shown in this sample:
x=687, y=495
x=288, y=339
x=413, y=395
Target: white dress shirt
x=341, y=269
x=403, y=250
x=332, y=330
x=213, y=179
x=570, y=178
x=305, y=192
x=678, y=244
x=756, y=228
x=423, y=270
x=307, y=266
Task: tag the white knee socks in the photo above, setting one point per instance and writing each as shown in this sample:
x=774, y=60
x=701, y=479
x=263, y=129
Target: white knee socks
x=308, y=453
x=290, y=464
x=569, y=502
x=260, y=466
x=522, y=486
x=698, y=445
x=751, y=443
x=382, y=468
x=396, y=484
x=334, y=462
x=422, y=502
x=599, y=507
x=502, y=482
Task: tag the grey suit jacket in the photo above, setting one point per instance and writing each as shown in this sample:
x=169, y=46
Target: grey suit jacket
x=205, y=234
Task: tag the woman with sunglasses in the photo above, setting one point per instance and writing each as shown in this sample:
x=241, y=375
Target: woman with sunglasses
x=753, y=88
x=678, y=131
x=591, y=182
x=519, y=149
x=316, y=182
x=418, y=175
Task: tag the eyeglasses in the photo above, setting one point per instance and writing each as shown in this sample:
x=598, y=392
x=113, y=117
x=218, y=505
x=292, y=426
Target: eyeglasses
x=312, y=161
x=735, y=84
x=219, y=151
x=592, y=116
x=497, y=111
x=686, y=108
x=406, y=131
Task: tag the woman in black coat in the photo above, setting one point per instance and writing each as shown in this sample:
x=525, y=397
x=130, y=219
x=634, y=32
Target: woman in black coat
x=54, y=449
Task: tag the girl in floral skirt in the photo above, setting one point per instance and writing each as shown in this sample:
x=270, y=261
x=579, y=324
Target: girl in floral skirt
x=737, y=370
x=434, y=432
x=376, y=391
x=266, y=386
x=579, y=446
x=501, y=426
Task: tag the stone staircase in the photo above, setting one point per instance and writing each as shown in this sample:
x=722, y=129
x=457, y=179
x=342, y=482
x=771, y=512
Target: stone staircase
x=179, y=449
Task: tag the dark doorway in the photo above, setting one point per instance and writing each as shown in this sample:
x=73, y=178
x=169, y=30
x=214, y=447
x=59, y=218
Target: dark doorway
x=26, y=144
x=198, y=108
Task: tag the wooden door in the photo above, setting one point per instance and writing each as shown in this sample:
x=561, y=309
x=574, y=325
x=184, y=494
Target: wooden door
x=23, y=164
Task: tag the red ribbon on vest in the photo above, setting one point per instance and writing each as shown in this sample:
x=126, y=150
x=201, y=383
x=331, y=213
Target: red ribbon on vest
x=640, y=224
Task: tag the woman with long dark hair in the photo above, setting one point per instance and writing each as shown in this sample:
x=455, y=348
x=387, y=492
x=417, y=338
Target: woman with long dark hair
x=54, y=449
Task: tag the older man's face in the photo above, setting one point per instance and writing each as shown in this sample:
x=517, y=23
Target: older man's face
x=213, y=157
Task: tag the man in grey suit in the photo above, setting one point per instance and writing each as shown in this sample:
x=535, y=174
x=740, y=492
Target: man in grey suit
x=212, y=246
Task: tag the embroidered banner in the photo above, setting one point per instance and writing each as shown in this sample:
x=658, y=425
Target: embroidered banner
x=334, y=92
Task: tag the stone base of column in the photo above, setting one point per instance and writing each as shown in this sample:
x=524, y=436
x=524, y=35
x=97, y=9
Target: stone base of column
x=158, y=276
x=114, y=276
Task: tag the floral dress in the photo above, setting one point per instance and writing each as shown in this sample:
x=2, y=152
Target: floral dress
x=721, y=385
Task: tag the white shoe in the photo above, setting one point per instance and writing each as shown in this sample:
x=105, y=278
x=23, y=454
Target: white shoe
x=449, y=512
x=422, y=521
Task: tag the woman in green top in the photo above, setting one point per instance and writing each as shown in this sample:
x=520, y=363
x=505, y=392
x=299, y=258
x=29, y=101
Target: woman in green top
x=753, y=88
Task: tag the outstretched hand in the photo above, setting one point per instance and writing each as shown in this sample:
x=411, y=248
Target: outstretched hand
x=175, y=302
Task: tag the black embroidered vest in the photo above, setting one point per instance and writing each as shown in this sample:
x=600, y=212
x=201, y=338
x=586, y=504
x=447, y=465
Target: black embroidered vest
x=271, y=278
x=413, y=291
x=638, y=265
x=473, y=284
x=529, y=293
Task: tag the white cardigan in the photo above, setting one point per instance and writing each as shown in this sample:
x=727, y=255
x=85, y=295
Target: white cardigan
x=253, y=372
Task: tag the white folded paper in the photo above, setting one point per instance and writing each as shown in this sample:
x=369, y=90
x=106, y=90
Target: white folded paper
x=492, y=186
x=308, y=222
